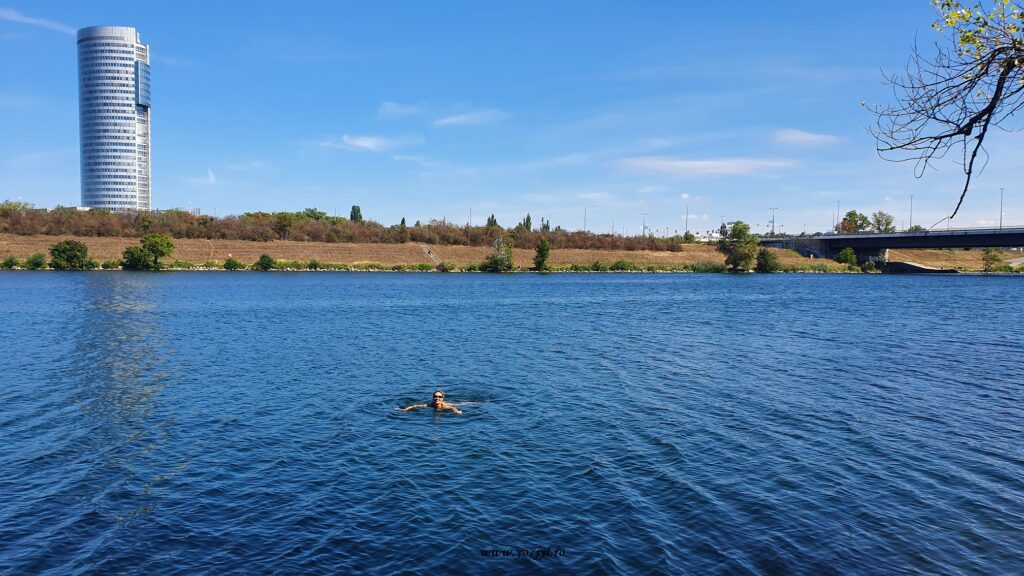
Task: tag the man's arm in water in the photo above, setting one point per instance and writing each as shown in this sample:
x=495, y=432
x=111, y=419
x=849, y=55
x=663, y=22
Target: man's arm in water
x=407, y=408
x=454, y=409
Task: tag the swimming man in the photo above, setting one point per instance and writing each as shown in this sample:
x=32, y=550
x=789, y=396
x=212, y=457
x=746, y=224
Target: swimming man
x=438, y=404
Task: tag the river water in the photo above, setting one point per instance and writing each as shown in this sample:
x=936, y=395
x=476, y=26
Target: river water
x=247, y=423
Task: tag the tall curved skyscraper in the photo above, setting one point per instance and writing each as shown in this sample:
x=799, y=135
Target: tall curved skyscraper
x=113, y=109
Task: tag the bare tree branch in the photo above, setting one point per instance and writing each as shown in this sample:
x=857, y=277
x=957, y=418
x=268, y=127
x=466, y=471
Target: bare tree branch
x=951, y=98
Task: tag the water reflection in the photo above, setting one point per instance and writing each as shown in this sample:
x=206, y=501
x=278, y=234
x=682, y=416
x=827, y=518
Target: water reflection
x=120, y=369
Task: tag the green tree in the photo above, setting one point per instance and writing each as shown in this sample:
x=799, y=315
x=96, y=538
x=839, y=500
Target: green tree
x=233, y=264
x=847, y=256
x=283, y=222
x=313, y=214
x=990, y=258
x=159, y=246
x=689, y=238
x=951, y=97
x=8, y=207
x=36, y=261
x=916, y=228
x=501, y=260
x=9, y=263
x=70, y=255
x=853, y=222
x=882, y=222
x=136, y=258
x=767, y=261
x=739, y=247
x=264, y=263
x=403, y=232
x=540, y=259
x=492, y=222
x=355, y=215
x=527, y=223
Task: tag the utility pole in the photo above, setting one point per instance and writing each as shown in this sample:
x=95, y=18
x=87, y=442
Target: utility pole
x=773, y=220
x=837, y=218
x=687, y=217
x=643, y=226
x=1000, y=208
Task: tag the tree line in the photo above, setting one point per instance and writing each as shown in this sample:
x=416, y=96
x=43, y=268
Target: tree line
x=309, y=225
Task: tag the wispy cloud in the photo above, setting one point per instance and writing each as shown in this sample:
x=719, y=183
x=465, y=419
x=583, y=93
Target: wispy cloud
x=369, y=143
x=252, y=166
x=15, y=16
x=478, y=118
x=210, y=178
x=394, y=109
x=171, y=61
x=719, y=166
x=41, y=158
x=802, y=138
x=18, y=101
x=684, y=196
x=418, y=160
x=596, y=196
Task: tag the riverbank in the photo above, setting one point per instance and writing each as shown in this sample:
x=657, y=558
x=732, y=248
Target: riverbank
x=202, y=253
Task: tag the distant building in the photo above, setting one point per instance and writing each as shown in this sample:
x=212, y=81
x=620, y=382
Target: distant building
x=113, y=109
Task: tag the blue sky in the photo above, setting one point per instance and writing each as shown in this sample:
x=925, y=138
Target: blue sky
x=432, y=109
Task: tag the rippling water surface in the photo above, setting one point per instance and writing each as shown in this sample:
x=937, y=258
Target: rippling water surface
x=218, y=423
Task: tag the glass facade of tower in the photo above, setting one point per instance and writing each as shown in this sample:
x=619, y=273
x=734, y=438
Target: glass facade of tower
x=113, y=109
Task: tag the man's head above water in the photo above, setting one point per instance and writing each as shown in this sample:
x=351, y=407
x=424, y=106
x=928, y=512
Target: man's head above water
x=437, y=403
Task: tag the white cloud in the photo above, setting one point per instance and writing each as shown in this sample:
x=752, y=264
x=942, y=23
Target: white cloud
x=596, y=196
x=719, y=166
x=479, y=118
x=652, y=189
x=802, y=138
x=255, y=165
x=684, y=196
x=210, y=178
x=15, y=16
x=371, y=143
x=419, y=160
x=396, y=109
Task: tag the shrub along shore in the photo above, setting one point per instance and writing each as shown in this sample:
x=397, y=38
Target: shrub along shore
x=33, y=252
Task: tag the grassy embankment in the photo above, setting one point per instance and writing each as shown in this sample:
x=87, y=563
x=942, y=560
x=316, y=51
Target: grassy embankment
x=387, y=256
x=949, y=259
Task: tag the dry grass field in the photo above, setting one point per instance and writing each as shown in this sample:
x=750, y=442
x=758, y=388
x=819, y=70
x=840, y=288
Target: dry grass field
x=957, y=259
x=200, y=251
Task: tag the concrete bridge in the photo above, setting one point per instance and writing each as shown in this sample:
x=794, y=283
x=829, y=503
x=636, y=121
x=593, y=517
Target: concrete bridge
x=871, y=243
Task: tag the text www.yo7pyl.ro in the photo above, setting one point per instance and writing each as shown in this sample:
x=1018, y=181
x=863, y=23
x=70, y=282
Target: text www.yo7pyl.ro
x=517, y=552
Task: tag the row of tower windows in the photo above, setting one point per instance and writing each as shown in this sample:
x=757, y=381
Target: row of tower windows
x=107, y=91
x=96, y=42
x=110, y=108
x=90, y=164
x=107, y=69
x=100, y=59
x=92, y=50
x=107, y=84
x=112, y=117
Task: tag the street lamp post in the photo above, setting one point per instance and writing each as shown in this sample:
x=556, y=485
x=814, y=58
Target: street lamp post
x=773, y=220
